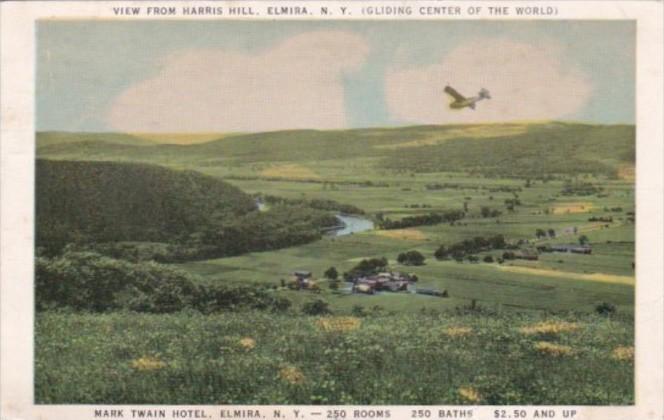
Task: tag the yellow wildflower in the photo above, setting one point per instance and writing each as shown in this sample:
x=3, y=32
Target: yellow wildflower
x=338, y=324
x=469, y=394
x=146, y=363
x=458, y=331
x=549, y=327
x=292, y=375
x=553, y=349
x=623, y=353
x=247, y=343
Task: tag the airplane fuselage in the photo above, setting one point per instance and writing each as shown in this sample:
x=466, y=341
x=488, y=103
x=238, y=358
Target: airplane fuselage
x=461, y=101
x=470, y=102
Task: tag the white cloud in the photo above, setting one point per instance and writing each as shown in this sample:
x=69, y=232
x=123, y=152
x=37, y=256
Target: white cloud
x=296, y=84
x=526, y=81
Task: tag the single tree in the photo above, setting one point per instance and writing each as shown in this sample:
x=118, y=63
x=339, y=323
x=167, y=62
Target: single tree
x=331, y=273
x=411, y=258
x=441, y=253
x=316, y=307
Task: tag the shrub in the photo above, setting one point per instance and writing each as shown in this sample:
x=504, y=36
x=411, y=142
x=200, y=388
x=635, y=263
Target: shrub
x=331, y=273
x=411, y=258
x=358, y=311
x=280, y=304
x=441, y=253
x=92, y=282
x=316, y=307
x=367, y=267
x=605, y=308
x=488, y=259
x=508, y=255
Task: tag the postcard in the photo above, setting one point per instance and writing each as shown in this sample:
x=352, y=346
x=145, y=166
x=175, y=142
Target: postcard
x=332, y=210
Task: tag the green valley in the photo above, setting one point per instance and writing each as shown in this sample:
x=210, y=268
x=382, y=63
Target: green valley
x=228, y=222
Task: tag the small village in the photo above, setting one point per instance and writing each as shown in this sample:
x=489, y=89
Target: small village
x=388, y=281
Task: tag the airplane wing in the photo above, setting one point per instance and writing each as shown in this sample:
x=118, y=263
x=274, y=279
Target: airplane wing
x=453, y=93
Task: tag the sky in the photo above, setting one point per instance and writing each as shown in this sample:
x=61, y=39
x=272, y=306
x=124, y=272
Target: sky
x=244, y=76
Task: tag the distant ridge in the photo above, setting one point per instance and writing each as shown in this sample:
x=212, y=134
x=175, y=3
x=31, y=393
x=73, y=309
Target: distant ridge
x=530, y=148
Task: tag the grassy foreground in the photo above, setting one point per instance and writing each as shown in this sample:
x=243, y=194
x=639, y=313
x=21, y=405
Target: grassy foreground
x=264, y=358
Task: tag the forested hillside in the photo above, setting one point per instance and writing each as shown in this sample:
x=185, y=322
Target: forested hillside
x=105, y=201
x=145, y=212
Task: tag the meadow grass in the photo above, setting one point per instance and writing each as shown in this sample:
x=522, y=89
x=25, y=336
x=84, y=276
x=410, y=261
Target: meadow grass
x=263, y=358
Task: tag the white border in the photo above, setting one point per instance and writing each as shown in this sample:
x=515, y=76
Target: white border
x=17, y=149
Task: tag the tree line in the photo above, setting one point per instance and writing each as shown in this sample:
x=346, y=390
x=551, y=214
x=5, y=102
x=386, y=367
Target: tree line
x=466, y=247
x=432, y=218
x=87, y=281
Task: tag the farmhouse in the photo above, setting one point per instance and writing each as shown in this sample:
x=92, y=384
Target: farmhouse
x=387, y=281
x=303, y=280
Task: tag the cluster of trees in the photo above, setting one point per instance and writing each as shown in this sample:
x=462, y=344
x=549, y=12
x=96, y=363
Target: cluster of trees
x=281, y=227
x=489, y=212
x=505, y=188
x=418, y=206
x=456, y=186
x=332, y=185
x=86, y=281
x=366, y=267
x=511, y=203
x=470, y=246
x=449, y=185
x=448, y=216
x=580, y=188
x=316, y=203
x=631, y=216
x=541, y=233
x=411, y=258
x=605, y=219
x=508, y=255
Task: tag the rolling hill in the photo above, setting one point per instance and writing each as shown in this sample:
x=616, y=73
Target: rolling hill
x=511, y=149
x=107, y=201
x=49, y=138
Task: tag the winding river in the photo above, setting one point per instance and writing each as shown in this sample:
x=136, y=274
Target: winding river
x=348, y=224
x=351, y=224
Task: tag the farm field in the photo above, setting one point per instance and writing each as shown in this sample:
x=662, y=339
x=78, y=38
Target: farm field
x=507, y=179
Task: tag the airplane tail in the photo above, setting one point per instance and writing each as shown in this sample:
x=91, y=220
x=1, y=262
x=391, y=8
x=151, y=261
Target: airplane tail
x=484, y=94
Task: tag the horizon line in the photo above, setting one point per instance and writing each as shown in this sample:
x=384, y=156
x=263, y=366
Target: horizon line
x=386, y=127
